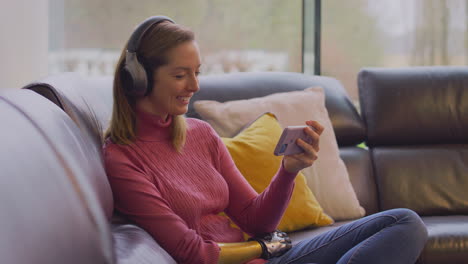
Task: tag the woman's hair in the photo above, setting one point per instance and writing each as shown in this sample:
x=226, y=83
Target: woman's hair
x=152, y=53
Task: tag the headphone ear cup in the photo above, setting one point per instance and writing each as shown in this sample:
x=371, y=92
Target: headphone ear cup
x=134, y=77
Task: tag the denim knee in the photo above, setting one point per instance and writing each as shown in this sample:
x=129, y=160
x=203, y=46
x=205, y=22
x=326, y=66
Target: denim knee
x=413, y=221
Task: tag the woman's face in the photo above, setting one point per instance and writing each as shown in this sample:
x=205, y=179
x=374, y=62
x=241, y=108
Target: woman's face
x=174, y=83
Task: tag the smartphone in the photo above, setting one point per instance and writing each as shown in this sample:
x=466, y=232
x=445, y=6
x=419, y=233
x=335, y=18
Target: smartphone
x=287, y=142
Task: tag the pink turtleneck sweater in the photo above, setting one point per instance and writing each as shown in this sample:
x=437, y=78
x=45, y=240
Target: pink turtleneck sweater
x=177, y=197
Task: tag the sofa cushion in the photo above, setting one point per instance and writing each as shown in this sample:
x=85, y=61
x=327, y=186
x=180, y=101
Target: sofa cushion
x=431, y=180
x=328, y=177
x=252, y=151
x=425, y=105
x=448, y=239
x=47, y=216
x=134, y=245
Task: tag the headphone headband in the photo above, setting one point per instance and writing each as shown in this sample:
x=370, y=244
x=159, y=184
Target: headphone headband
x=140, y=30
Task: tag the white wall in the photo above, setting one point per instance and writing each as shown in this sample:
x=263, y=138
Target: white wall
x=24, y=41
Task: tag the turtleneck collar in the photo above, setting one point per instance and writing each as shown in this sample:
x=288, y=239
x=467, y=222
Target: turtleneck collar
x=150, y=127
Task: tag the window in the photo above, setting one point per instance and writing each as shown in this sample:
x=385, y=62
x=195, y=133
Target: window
x=388, y=33
x=245, y=35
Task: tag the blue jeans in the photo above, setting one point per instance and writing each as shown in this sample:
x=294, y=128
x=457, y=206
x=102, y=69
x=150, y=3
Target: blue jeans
x=393, y=236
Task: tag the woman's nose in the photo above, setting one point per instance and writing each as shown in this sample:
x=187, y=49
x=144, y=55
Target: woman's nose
x=194, y=85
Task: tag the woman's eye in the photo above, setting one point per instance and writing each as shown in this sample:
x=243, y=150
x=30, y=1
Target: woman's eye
x=179, y=76
x=197, y=73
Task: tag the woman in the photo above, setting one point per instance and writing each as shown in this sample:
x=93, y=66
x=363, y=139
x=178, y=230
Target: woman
x=173, y=176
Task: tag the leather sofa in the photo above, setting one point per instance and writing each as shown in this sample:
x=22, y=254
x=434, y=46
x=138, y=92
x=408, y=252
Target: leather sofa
x=57, y=203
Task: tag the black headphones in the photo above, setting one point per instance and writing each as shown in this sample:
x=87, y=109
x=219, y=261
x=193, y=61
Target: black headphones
x=133, y=74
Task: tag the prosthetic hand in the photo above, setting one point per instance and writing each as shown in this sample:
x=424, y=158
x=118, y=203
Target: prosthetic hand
x=274, y=244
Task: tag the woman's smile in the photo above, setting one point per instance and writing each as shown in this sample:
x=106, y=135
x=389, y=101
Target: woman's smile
x=184, y=99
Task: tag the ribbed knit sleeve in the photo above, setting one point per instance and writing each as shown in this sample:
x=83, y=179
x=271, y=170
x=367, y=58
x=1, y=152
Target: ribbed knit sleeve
x=137, y=197
x=254, y=213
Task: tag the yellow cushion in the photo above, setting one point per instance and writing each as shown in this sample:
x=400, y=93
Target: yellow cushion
x=252, y=151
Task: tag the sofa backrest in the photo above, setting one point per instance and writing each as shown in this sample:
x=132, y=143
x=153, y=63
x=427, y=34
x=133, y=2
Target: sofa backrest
x=93, y=95
x=83, y=99
x=43, y=182
x=347, y=124
x=417, y=131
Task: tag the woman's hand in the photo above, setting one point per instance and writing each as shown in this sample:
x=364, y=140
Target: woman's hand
x=297, y=162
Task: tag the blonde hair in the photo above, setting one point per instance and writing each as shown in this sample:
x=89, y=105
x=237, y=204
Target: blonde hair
x=152, y=53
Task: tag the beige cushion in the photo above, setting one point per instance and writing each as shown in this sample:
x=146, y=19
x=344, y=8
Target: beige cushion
x=327, y=178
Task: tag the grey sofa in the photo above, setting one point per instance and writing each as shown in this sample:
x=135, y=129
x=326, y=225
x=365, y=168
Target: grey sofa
x=57, y=204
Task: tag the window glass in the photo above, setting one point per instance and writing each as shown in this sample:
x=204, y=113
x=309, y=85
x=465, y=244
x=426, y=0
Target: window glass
x=390, y=33
x=243, y=35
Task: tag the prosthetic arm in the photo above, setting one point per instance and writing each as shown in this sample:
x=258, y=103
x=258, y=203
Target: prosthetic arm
x=271, y=245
